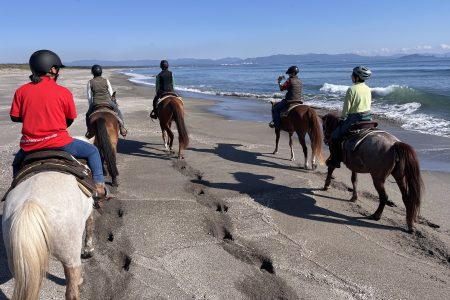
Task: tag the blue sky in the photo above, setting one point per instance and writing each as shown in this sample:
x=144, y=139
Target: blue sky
x=145, y=29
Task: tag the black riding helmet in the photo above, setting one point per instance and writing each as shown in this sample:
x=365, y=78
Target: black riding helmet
x=42, y=61
x=292, y=70
x=164, y=64
x=96, y=70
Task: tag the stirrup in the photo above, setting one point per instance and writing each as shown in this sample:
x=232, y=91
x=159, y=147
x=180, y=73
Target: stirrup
x=153, y=115
x=123, y=131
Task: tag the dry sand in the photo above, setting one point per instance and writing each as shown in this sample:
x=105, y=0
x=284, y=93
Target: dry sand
x=233, y=221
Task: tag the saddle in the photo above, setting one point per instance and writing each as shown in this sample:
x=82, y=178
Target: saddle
x=58, y=161
x=358, y=133
x=291, y=105
x=102, y=108
x=166, y=95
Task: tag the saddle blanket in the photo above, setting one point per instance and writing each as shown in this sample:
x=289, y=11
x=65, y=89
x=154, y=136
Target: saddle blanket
x=167, y=96
x=285, y=112
x=356, y=137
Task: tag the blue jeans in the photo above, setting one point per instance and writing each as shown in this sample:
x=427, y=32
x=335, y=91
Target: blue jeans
x=344, y=127
x=277, y=110
x=78, y=149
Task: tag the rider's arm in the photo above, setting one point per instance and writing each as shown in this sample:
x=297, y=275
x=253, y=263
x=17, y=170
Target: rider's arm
x=110, y=90
x=173, y=82
x=157, y=83
x=284, y=86
x=347, y=102
x=89, y=93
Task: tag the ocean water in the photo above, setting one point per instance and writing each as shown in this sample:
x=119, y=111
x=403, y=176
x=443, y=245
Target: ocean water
x=413, y=93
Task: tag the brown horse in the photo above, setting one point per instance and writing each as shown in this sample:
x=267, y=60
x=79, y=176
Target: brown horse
x=172, y=109
x=106, y=129
x=302, y=119
x=381, y=154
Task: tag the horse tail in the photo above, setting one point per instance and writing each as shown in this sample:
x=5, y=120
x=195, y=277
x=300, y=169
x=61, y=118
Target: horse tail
x=316, y=135
x=409, y=167
x=183, y=137
x=105, y=147
x=30, y=249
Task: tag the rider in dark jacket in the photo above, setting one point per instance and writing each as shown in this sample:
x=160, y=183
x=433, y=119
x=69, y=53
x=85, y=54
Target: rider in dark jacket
x=164, y=84
x=293, y=86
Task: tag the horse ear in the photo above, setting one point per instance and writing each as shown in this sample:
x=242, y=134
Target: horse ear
x=114, y=94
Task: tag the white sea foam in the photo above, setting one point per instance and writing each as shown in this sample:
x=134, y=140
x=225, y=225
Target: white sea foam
x=329, y=88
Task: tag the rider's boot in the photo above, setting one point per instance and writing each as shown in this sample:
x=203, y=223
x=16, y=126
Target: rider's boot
x=154, y=114
x=101, y=194
x=272, y=124
x=335, y=155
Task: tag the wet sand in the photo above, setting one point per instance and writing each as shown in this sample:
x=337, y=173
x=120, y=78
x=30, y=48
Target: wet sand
x=233, y=221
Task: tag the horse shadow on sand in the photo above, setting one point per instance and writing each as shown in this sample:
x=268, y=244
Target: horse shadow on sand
x=293, y=201
x=141, y=149
x=232, y=153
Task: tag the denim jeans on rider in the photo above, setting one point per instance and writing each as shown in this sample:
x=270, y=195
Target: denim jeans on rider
x=78, y=149
x=277, y=110
x=344, y=127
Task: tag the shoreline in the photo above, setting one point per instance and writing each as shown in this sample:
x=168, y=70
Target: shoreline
x=433, y=156
x=232, y=220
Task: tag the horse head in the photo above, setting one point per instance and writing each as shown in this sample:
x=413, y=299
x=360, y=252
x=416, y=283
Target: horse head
x=329, y=123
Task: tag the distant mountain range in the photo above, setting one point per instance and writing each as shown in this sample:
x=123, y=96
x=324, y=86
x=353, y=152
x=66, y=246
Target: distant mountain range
x=281, y=59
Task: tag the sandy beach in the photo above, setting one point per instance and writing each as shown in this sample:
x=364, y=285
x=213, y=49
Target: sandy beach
x=234, y=221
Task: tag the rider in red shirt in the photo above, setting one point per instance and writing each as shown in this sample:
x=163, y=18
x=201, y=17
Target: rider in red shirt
x=46, y=109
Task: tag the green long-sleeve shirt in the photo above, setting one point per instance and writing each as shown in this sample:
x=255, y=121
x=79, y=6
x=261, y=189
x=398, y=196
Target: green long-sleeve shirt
x=358, y=99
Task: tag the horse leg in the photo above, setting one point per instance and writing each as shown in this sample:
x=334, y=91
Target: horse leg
x=402, y=186
x=328, y=179
x=88, y=240
x=171, y=137
x=291, y=145
x=73, y=279
x=354, y=184
x=164, y=139
x=379, y=186
x=277, y=139
x=301, y=138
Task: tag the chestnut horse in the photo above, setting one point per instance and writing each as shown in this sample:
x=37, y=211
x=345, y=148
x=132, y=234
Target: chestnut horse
x=381, y=154
x=106, y=130
x=302, y=119
x=171, y=109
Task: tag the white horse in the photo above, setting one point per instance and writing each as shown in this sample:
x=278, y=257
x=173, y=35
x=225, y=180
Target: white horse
x=46, y=215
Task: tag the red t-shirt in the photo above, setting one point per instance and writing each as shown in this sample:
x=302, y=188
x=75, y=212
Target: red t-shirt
x=44, y=108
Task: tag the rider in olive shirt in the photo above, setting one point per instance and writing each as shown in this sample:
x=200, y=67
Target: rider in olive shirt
x=356, y=108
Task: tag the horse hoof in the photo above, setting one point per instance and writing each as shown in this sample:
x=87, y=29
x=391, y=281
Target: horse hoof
x=314, y=166
x=353, y=199
x=115, y=183
x=411, y=230
x=325, y=188
x=375, y=217
x=81, y=281
x=274, y=152
x=87, y=254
